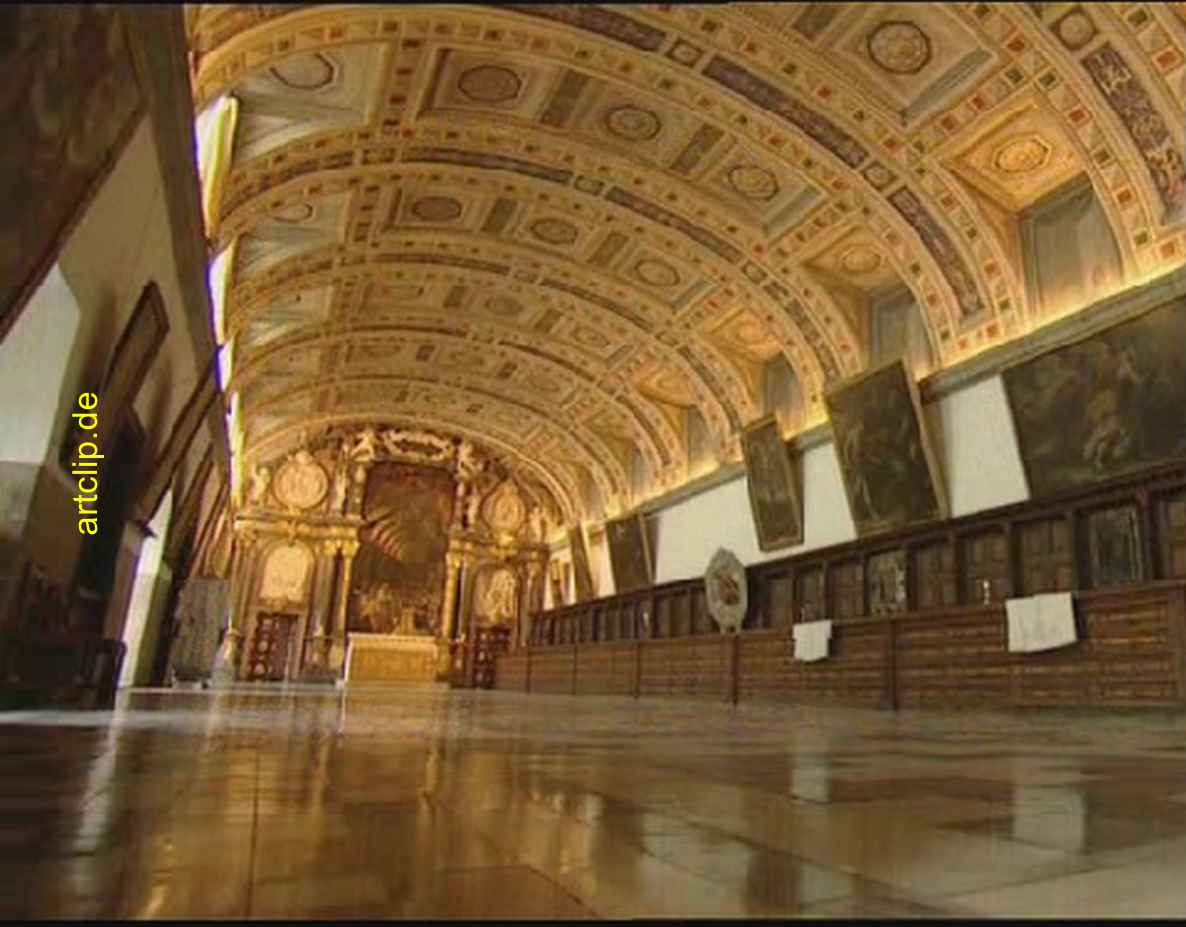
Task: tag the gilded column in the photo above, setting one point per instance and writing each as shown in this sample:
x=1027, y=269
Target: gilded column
x=337, y=647
x=529, y=606
x=453, y=564
x=226, y=662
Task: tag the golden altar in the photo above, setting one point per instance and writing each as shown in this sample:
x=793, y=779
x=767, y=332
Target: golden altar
x=391, y=658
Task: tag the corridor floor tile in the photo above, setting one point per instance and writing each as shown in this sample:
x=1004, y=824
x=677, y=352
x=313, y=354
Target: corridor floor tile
x=306, y=802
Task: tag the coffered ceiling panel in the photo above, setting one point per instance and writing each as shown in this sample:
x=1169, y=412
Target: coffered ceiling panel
x=553, y=228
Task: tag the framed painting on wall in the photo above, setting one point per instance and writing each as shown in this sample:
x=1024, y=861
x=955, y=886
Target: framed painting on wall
x=891, y=475
x=188, y=421
x=773, y=496
x=1103, y=406
x=629, y=554
x=74, y=101
x=138, y=346
x=582, y=574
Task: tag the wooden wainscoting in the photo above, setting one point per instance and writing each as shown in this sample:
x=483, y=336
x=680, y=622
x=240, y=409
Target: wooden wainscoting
x=1131, y=653
x=511, y=671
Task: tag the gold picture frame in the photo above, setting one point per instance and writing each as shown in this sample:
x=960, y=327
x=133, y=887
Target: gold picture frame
x=770, y=481
x=629, y=554
x=891, y=473
x=581, y=571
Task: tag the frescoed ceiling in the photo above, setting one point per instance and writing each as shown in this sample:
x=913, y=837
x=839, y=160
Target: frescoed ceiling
x=555, y=229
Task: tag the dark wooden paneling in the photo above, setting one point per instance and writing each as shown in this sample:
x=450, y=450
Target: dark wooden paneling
x=510, y=672
x=1046, y=556
x=986, y=558
x=1173, y=534
x=694, y=667
x=608, y=669
x=552, y=669
x=948, y=649
x=780, y=600
x=809, y=594
x=936, y=581
x=848, y=590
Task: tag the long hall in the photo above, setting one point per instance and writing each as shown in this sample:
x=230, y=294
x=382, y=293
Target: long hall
x=592, y=460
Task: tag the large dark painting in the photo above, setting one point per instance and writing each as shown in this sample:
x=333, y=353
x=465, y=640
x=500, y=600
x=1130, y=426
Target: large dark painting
x=398, y=582
x=1104, y=406
x=69, y=102
x=581, y=573
x=773, y=498
x=890, y=474
x=629, y=553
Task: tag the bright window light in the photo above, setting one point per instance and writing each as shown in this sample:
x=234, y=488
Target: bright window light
x=218, y=278
x=225, y=360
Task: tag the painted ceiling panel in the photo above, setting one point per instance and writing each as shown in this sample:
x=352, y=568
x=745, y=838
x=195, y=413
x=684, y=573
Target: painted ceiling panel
x=554, y=225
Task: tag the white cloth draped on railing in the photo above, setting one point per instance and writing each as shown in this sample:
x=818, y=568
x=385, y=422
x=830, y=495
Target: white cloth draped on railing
x=1041, y=622
x=811, y=640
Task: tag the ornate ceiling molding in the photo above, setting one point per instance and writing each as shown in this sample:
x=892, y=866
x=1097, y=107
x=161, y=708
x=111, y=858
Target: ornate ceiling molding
x=646, y=204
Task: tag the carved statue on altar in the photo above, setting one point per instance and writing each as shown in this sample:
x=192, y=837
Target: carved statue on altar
x=467, y=461
x=536, y=522
x=365, y=445
x=337, y=500
x=260, y=478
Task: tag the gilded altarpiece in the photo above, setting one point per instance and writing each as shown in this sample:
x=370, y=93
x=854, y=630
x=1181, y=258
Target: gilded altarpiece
x=399, y=573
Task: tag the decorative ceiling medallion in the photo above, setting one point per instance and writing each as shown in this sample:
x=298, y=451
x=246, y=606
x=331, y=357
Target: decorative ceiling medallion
x=1022, y=155
x=296, y=214
x=656, y=273
x=1075, y=29
x=860, y=260
x=632, y=123
x=505, y=509
x=750, y=333
x=436, y=209
x=305, y=72
x=554, y=231
x=879, y=175
x=489, y=83
x=753, y=182
x=301, y=483
x=899, y=47
x=590, y=338
x=503, y=306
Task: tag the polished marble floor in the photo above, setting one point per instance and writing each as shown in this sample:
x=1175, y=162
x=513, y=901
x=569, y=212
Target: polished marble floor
x=302, y=802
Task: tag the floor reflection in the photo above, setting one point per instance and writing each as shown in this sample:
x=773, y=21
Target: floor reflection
x=301, y=802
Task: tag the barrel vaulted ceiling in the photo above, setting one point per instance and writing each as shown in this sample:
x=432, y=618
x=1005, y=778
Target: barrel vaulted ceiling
x=558, y=229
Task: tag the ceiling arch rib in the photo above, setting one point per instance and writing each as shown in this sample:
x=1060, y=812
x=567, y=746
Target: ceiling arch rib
x=614, y=239
x=260, y=293
x=680, y=83
x=588, y=120
x=548, y=377
x=467, y=400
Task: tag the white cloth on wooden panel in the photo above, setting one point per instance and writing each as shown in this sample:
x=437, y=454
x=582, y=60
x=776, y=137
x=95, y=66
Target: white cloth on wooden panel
x=811, y=640
x=1041, y=622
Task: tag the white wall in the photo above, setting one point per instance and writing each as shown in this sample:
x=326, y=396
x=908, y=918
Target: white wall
x=33, y=360
x=122, y=242
x=974, y=438
x=974, y=431
x=690, y=532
